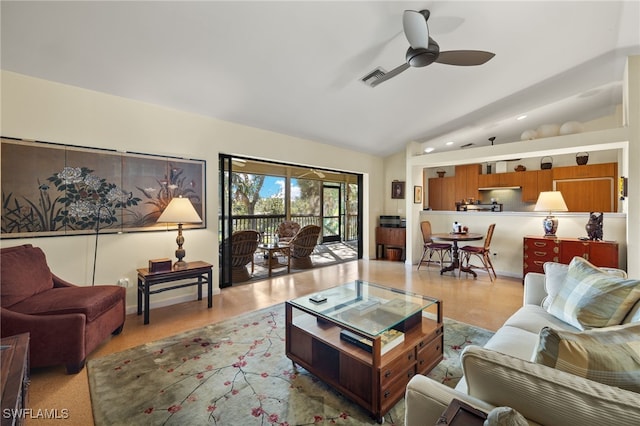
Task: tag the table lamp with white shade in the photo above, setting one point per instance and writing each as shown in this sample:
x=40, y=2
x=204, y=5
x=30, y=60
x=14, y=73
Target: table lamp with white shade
x=180, y=211
x=550, y=201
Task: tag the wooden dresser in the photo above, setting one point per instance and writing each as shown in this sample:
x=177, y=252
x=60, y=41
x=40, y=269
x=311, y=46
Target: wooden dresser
x=390, y=238
x=538, y=250
x=15, y=378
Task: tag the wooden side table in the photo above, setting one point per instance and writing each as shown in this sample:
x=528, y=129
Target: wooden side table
x=200, y=271
x=271, y=252
x=15, y=378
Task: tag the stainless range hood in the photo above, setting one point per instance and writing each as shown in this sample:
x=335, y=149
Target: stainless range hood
x=491, y=188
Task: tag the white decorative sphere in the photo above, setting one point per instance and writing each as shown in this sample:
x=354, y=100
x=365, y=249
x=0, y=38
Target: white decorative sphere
x=548, y=130
x=528, y=135
x=571, y=127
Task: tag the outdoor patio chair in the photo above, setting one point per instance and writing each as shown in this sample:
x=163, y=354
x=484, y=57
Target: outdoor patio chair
x=286, y=230
x=302, y=245
x=243, y=246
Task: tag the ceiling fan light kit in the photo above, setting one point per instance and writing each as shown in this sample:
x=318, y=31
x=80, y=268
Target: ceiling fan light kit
x=424, y=50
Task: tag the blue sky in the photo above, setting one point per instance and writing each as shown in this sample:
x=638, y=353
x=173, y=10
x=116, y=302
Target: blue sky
x=274, y=185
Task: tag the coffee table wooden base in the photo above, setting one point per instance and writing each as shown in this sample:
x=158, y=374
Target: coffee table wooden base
x=374, y=382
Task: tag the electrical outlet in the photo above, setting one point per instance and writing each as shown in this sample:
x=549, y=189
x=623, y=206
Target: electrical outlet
x=123, y=282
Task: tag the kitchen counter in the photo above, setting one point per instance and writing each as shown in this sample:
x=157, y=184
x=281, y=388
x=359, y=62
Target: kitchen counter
x=493, y=207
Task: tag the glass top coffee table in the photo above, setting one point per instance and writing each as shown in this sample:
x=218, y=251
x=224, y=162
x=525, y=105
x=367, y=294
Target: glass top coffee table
x=341, y=335
x=364, y=306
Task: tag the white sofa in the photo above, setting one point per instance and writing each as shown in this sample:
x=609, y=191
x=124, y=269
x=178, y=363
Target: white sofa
x=502, y=374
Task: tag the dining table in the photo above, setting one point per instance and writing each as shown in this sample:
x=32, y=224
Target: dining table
x=455, y=237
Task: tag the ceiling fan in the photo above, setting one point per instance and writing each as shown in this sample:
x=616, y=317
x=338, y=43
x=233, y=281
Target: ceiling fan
x=424, y=50
x=315, y=172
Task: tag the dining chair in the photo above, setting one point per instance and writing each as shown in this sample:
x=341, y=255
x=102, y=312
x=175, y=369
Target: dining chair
x=483, y=253
x=430, y=248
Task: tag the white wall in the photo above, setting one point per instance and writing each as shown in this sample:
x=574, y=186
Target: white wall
x=510, y=229
x=394, y=170
x=51, y=112
x=626, y=139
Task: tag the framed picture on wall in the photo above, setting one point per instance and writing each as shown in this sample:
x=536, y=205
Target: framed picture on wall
x=417, y=194
x=397, y=190
x=50, y=189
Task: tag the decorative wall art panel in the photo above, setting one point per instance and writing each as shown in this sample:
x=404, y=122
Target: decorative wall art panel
x=53, y=189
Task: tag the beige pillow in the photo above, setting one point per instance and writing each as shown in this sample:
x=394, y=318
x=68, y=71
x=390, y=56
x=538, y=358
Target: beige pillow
x=590, y=297
x=607, y=355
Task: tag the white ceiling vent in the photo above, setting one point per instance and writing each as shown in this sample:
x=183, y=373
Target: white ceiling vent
x=373, y=76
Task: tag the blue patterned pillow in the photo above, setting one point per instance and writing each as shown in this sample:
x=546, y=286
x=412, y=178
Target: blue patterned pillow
x=590, y=298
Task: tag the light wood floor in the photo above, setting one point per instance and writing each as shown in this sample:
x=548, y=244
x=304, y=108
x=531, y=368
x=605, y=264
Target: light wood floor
x=478, y=302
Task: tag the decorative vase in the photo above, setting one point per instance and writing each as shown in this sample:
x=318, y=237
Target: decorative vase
x=548, y=130
x=571, y=127
x=528, y=135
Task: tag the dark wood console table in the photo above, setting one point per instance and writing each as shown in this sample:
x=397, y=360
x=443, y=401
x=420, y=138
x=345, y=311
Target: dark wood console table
x=15, y=378
x=201, y=271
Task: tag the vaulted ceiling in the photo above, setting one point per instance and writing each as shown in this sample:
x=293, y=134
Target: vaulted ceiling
x=294, y=67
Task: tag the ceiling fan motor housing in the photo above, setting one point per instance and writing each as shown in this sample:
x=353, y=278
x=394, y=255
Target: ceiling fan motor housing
x=423, y=57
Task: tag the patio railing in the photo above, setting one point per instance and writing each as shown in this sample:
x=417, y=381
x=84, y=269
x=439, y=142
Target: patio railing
x=267, y=225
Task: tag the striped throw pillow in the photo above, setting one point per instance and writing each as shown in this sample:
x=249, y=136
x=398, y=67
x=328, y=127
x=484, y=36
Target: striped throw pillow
x=607, y=355
x=591, y=298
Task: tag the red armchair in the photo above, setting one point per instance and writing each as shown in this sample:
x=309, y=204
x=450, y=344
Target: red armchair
x=65, y=322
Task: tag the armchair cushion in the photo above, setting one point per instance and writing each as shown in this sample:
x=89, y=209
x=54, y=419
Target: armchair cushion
x=24, y=273
x=90, y=301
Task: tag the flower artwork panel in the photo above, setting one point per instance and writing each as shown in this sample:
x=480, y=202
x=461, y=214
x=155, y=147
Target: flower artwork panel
x=52, y=189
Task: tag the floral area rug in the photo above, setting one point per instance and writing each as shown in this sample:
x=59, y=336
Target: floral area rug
x=236, y=373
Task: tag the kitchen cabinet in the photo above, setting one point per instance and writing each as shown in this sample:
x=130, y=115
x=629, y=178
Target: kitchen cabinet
x=489, y=181
x=466, y=181
x=441, y=193
x=538, y=250
x=534, y=182
x=588, y=188
x=586, y=171
x=511, y=178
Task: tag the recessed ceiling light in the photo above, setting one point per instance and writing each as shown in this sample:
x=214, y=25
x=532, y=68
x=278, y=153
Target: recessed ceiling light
x=449, y=143
x=428, y=150
x=521, y=117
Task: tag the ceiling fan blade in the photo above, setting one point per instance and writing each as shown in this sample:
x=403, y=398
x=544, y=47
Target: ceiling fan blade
x=319, y=174
x=464, y=57
x=416, y=29
x=390, y=74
